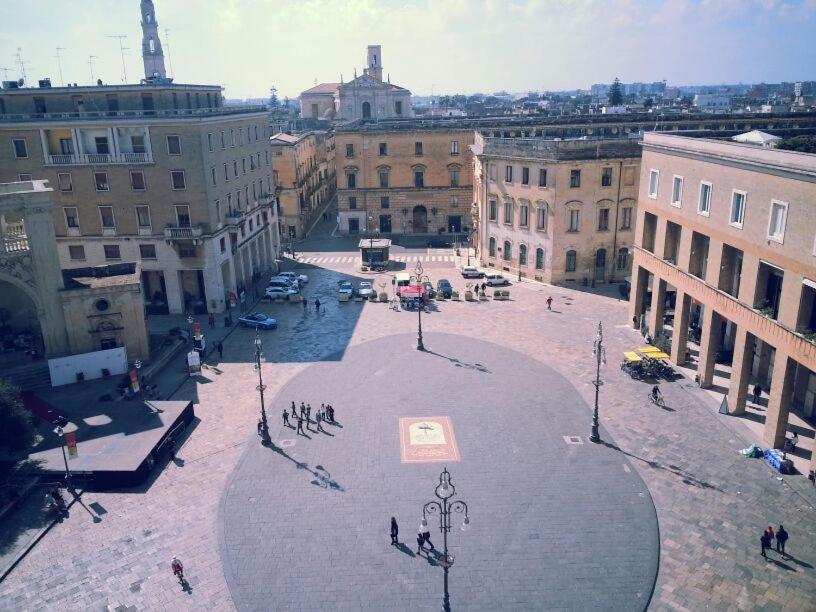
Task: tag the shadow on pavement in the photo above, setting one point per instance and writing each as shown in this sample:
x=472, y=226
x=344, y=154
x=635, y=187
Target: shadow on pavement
x=460, y=364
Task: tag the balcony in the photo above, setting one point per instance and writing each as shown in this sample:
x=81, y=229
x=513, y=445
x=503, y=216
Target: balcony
x=177, y=234
x=233, y=217
x=84, y=159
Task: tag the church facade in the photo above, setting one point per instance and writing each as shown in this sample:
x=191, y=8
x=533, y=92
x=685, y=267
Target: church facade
x=365, y=97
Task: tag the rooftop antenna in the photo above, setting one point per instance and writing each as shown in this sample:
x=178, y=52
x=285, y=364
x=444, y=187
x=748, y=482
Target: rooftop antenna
x=5, y=73
x=21, y=62
x=91, y=59
x=122, y=50
x=59, y=65
x=167, y=48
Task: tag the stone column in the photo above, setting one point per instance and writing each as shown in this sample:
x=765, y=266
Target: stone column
x=714, y=263
x=682, y=311
x=748, y=279
x=776, y=417
x=658, y=310
x=640, y=284
x=660, y=238
x=766, y=351
x=684, y=250
x=709, y=344
x=172, y=283
x=740, y=371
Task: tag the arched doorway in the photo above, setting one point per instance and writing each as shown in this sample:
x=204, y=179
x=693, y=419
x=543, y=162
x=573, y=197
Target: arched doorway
x=420, y=221
x=20, y=331
x=366, y=110
x=600, y=264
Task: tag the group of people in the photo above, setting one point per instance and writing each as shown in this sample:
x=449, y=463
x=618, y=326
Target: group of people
x=768, y=536
x=305, y=303
x=324, y=414
x=423, y=537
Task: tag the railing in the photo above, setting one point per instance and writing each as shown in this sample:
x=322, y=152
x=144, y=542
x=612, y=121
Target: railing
x=106, y=114
x=233, y=216
x=14, y=244
x=79, y=159
x=183, y=233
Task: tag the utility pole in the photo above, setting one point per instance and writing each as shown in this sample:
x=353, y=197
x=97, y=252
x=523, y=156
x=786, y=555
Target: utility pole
x=167, y=48
x=59, y=65
x=91, y=59
x=122, y=50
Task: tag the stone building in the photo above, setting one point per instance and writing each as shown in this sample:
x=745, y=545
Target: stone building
x=725, y=238
x=303, y=167
x=556, y=211
x=365, y=97
x=157, y=172
x=404, y=177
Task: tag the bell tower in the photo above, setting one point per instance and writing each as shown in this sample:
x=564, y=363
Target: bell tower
x=152, y=54
x=374, y=62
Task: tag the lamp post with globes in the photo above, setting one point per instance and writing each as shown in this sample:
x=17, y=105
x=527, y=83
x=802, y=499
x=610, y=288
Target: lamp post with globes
x=419, y=278
x=265, y=439
x=600, y=357
x=444, y=508
x=61, y=433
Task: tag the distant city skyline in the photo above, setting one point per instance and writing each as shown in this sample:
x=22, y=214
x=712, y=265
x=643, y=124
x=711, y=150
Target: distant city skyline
x=455, y=46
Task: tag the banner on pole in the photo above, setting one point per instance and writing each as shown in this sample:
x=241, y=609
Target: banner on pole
x=70, y=442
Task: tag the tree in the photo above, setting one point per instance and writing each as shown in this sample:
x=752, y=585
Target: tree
x=648, y=103
x=803, y=144
x=16, y=423
x=615, y=94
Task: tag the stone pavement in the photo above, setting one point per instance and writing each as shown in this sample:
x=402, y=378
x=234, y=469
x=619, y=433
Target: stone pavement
x=711, y=503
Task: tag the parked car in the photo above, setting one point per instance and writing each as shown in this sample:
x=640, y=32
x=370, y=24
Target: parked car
x=258, y=320
x=494, y=279
x=345, y=287
x=283, y=283
x=279, y=292
x=444, y=288
x=365, y=289
x=293, y=282
x=429, y=290
x=472, y=272
x=300, y=278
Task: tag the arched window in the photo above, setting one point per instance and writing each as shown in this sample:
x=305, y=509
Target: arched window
x=522, y=254
x=508, y=251
x=571, y=257
x=491, y=248
x=539, y=259
x=623, y=258
x=541, y=217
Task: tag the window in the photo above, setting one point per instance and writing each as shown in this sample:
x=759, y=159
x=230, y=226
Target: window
x=525, y=176
x=541, y=218
x=223, y=140
x=101, y=181
x=147, y=251
x=493, y=172
x=64, y=181
x=349, y=150
x=384, y=202
x=606, y=177
x=352, y=203
x=704, y=206
x=212, y=177
x=102, y=147
x=20, y=148
x=677, y=191
x=383, y=178
x=508, y=213
x=575, y=179
x=174, y=145
x=454, y=149
x=210, y=142
x=351, y=180
x=226, y=172
x=654, y=176
x=24, y=177
x=67, y=147
x=629, y=176
x=71, y=216
x=508, y=174
x=454, y=177
x=603, y=219
x=623, y=259
x=111, y=251
x=542, y=177
x=570, y=264
x=243, y=164
x=539, y=262
x=417, y=148
x=222, y=244
x=187, y=250
x=524, y=215
x=398, y=107
x=737, y=208
x=493, y=213
x=779, y=218
x=183, y=215
x=106, y=215
x=574, y=220
x=177, y=179
x=232, y=137
x=491, y=247
x=419, y=178
x=234, y=168
x=76, y=252
x=454, y=201
x=137, y=180
x=507, y=252
x=143, y=215
x=383, y=148
x=39, y=105
x=626, y=218
x=522, y=254
x=218, y=210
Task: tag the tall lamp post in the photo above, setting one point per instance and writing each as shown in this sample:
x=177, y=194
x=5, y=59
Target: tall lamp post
x=600, y=357
x=370, y=241
x=61, y=433
x=265, y=439
x=138, y=365
x=420, y=278
x=190, y=325
x=444, y=508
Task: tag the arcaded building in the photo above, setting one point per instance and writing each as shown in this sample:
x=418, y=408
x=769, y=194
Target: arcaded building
x=726, y=239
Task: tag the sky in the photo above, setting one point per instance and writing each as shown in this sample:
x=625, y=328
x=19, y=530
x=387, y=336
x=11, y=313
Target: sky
x=428, y=46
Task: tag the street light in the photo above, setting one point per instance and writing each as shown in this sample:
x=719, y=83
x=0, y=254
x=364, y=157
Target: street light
x=61, y=433
x=370, y=241
x=418, y=275
x=600, y=357
x=444, y=508
x=190, y=324
x=265, y=439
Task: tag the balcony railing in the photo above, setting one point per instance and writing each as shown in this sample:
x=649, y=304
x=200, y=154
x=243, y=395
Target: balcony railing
x=172, y=234
x=14, y=244
x=233, y=217
x=108, y=115
x=80, y=159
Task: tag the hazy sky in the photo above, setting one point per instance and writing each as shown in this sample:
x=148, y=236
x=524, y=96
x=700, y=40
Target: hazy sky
x=447, y=46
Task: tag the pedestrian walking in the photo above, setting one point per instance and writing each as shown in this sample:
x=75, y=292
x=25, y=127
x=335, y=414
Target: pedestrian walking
x=178, y=569
x=426, y=535
x=220, y=348
x=285, y=418
x=211, y=319
x=300, y=426
x=781, y=538
x=769, y=535
x=757, y=393
x=308, y=412
x=317, y=304
x=331, y=413
x=318, y=419
x=305, y=303
x=484, y=286
x=302, y=410
x=763, y=541
x=420, y=542
x=549, y=303
x=171, y=447
x=294, y=410
x=394, y=532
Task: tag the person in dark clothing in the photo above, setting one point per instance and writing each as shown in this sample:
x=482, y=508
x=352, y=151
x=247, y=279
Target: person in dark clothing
x=305, y=303
x=420, y=542
x=426, y=535
x=781, y=538
x=331, y=413
x=293, y=410
x=171, y=447
x=394, y=532
x=285, y=418
x=302, y=410
x=220, y=348
x=549, y=303
x=763, y=541
x=300, y=426
x=757, y=393
x=317, y=304
x=308, y=413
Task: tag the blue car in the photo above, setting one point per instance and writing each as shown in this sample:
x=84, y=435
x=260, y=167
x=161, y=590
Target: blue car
x=258, y=320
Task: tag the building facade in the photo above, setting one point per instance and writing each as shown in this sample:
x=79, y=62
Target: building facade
x=556, y=211
x=726, y=237
x=405, y=177
x=303, y=167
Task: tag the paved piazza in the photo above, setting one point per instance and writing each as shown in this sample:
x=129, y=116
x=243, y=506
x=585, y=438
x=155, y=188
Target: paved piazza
x=553, y=525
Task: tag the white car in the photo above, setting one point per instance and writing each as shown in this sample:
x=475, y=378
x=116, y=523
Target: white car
x=279, y=292
x=365, y=289
x=292, y=282
x=345, y=287
x=494, y=279
x=471, y=272
x=300, y=278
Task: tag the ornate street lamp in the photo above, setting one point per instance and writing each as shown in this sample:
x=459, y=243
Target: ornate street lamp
x=190, y=325
x=265, y=439
x=600, y=357
x=420, y=278
x=444, y=508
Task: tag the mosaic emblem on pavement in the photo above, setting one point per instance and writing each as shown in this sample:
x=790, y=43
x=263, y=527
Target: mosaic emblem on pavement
x=426, y=440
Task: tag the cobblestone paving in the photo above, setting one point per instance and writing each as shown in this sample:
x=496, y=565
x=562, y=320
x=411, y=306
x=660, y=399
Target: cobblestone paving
x=711, y=503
